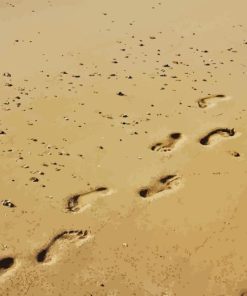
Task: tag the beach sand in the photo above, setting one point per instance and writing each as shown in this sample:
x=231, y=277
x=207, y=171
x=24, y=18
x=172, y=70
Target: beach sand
x=123, y=148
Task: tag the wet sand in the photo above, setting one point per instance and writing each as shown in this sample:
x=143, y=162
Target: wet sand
x=123, y=148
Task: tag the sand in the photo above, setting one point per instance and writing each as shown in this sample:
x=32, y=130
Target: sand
x=123, y=148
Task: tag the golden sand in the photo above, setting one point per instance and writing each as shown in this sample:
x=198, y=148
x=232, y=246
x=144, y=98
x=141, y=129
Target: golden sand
x=123, y=148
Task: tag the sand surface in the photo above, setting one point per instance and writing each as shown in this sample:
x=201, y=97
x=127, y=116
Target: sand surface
x=123, y=148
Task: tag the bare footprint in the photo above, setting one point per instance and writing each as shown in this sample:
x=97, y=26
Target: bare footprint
x=168, y=144
x=211, y=136
x=211, y=100
x=48, y=254
x=164, y=183
x=80, y=201
x=5, y=264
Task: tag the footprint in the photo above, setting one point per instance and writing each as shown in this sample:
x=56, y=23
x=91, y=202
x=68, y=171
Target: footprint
x=48, y=253
x=223, y=132
x=168, y=144
x=80, y=201
x=6, y=263
x=211, y=100
x=164, y=183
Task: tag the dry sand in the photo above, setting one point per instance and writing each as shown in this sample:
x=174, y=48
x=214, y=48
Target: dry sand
x=123, y=147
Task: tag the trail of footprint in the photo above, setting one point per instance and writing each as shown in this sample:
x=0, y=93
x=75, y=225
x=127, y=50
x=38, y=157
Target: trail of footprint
x=211, y=100
x=78, y=202
x=223, y=132
x=164, y=183
x=168, y=144
x=5, y=264
x=46, y=254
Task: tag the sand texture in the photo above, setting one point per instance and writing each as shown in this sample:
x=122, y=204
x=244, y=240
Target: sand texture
x=123, y=148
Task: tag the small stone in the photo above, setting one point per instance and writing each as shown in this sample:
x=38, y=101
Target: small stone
x=235, y=154
x=34, y=179
x=121, y=94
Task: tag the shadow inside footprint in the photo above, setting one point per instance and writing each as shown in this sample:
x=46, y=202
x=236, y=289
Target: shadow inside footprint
x=73, y=202
x=42, y=255
x=168, y=144
x=144, y=192
x=71, y=235
x=225, y=132
x=6, y=263
x=164, y=183
x=166, y=179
